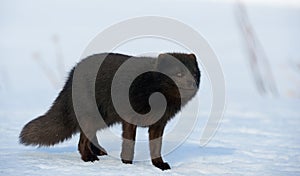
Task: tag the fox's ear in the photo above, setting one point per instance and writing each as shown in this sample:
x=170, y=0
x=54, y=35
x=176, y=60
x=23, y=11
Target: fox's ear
x=192, y=56
x=160, y=61
x=163, y=55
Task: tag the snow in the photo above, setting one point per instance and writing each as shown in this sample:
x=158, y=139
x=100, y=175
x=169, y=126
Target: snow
x=258, y=135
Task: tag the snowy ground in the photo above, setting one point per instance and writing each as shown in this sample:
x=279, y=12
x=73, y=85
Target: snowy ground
x=257, y=136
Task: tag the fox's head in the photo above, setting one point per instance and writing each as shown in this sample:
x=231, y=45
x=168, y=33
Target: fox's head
x=175, y=75
x=185, y=75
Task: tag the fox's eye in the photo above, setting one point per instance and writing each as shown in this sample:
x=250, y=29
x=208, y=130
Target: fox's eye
x=179, y=74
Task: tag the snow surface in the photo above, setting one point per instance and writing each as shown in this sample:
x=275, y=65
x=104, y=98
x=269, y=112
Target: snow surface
x=257, y=136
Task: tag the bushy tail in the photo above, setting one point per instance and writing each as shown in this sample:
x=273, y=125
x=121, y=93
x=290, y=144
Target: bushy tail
x=48, y=130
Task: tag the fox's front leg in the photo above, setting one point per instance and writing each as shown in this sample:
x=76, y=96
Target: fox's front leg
x=155, y=141
x=129, y=133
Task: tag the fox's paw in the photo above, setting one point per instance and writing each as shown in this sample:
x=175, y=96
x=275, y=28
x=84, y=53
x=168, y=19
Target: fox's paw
x=126, y=161
x=98, y=151
x=162, y=166
x=101, y=153
x=90, y=157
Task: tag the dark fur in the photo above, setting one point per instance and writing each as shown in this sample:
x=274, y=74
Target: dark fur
x=60, y=122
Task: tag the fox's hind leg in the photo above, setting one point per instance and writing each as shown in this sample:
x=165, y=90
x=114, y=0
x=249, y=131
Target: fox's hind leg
x=89, y=150
x=96, y=147
x=84, y=147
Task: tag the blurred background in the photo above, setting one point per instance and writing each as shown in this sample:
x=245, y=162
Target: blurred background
x=257, y=43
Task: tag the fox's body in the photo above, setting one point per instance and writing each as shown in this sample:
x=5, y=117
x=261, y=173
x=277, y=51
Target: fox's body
x=60, y=122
